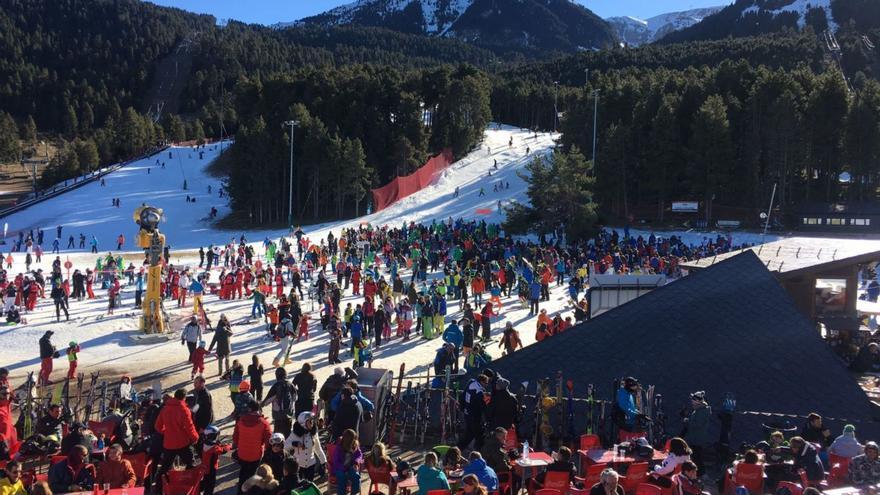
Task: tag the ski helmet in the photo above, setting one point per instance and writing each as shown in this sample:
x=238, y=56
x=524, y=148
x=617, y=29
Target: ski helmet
x=72, y=343
x=244, y=386
x=276, y=439
x=211, y=434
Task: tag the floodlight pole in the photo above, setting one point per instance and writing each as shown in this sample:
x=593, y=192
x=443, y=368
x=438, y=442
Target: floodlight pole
x=595, y=123
x=769, y=211
x=555, y=104
x=292, y=124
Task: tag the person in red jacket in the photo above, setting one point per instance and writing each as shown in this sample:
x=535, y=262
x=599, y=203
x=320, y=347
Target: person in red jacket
x=179, y=432
x=251, y=436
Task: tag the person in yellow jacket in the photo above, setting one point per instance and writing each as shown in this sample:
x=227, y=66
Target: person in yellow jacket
x=11, y=483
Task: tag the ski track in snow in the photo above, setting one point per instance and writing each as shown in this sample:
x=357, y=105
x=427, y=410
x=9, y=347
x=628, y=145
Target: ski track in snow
x=106, y=340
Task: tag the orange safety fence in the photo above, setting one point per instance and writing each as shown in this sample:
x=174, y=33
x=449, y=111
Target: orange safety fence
x=402, y=187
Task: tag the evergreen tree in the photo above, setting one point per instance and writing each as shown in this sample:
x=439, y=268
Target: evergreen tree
x=198, y=132
x=863, y=140
x=175, y=130
x=28, y=131
x=71, y=123
x=10, y=148
x=87, y=155
x=711, y=151
x=560, y=192
x=87, y=118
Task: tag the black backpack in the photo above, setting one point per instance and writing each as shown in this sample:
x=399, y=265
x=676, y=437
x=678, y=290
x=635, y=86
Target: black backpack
x=285, y=397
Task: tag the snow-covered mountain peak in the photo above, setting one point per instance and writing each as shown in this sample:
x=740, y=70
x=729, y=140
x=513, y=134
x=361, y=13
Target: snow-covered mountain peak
x=634, y=31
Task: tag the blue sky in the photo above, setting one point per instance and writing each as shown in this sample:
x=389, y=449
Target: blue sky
x=272, y=11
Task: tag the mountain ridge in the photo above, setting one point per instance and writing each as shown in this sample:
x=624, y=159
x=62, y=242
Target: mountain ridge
x=501, y=25
x=635, y=31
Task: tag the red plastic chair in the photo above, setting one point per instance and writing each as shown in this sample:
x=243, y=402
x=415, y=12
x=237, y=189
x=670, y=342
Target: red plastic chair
x=140, y=464
x=594, y=471
x=628, y=436
x=378, y=476
x=636, y=474
x=750, y=476
x=793, y=488
x=186, y=482
x=590, y=442
x=555, y=480
x=505, y=483
x=839, y=474
x=648, y=489
x=805, y=482
x=108, y=428
x=511, y=441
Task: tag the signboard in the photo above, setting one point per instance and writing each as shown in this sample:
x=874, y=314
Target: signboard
x=685, y=206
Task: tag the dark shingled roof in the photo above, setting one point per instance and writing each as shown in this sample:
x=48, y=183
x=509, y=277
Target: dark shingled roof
x=728, y=328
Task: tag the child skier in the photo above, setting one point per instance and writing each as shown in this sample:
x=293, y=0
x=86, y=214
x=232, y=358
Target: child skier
x=198, y=359
x=212, y=449
x=72, y=359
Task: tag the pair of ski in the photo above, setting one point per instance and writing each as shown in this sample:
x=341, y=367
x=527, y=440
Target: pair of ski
x=418, y=412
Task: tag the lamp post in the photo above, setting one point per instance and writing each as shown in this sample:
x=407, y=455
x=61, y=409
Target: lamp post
x=555, y=104
x=595, y=123
x=292, y=124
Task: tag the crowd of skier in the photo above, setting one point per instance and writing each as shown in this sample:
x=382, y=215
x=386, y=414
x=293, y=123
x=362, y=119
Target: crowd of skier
x=445, y=280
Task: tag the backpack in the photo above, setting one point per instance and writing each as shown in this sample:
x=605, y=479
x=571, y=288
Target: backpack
x=284, y=398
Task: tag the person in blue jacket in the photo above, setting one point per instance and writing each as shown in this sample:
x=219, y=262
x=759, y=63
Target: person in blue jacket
x=478, y=467
x=560, y=271
x=357, y=330
x=453, y=335
x=366, y=403
x=626, y=404
x=534, y=296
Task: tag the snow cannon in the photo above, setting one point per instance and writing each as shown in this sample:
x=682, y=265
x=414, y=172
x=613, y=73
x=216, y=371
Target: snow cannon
x=153, y=243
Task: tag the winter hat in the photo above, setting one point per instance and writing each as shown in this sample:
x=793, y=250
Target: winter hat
x=849, y=429
x=872, y=445
x=202, y=343
x=72, y=343
x=338, y=371
x=244, y=386
x=502, y=384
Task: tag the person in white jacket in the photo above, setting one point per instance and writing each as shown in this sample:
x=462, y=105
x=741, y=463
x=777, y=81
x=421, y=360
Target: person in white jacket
x=679, y=452
x=183, y=283
x=305, y=446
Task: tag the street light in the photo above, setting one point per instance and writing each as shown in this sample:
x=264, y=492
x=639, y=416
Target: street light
x=595, y=123
x=555, y=101
x=292, y=124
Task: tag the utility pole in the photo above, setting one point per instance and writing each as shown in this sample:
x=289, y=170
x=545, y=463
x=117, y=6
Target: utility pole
x=292, y=124
x=769, y=212
x=595, y=123
x=555, y=104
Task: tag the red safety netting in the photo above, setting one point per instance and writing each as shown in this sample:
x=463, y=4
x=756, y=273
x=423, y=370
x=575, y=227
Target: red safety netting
x=402, y=187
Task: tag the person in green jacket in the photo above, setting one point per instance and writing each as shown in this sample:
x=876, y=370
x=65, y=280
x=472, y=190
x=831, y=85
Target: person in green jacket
x=259, y=305
x=697, y=435
x=430, y=477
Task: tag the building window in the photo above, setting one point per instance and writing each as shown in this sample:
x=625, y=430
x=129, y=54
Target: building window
x=812, y=221
x=862, y=222
x=834, y=221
